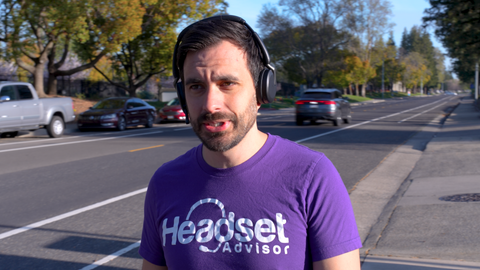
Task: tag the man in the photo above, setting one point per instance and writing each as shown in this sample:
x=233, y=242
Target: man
x=242, y=199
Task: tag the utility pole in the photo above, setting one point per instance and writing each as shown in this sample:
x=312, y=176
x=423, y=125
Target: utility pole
x=383, y=72
x=476, y=81
x=421, y=86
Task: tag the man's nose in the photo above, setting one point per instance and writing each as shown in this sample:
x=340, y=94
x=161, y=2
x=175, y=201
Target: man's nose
x=213, y=99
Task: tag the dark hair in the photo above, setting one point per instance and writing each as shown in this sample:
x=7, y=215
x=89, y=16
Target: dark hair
x=204, y=34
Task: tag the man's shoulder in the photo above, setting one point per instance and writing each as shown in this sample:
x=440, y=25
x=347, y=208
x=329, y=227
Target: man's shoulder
x=179, y=164
x=294, y=149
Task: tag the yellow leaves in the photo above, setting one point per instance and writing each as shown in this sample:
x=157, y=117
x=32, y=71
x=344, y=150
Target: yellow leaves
x=358, y=71
x=120, y=22
x=105, y=65
x=416, y=70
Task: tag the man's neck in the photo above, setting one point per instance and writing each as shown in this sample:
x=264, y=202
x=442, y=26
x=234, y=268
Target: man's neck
x=251, y=144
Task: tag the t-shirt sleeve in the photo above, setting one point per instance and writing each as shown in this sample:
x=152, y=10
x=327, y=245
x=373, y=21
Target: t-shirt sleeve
x=332, y=229
x=151, y=244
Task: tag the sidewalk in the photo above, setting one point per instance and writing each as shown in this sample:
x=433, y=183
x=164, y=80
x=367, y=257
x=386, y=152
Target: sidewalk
x=415, y=228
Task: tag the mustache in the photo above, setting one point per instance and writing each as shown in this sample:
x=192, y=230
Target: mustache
x=216, y=116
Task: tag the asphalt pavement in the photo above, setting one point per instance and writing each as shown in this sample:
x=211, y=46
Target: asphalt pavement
x=420, y=208
x=395, y=167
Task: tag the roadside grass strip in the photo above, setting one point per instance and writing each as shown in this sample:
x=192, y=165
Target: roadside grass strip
x=369, y=121
x=84, y=141
x=111, y=257
x=70, y=214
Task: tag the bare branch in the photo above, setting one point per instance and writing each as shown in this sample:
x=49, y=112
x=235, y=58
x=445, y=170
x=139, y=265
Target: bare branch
x=108, y=79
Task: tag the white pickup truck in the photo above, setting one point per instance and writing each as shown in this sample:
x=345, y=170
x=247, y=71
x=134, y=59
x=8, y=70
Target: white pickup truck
x=22, y=110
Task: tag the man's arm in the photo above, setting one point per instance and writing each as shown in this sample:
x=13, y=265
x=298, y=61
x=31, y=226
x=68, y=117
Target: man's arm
x=150, y=266
x=349, y=260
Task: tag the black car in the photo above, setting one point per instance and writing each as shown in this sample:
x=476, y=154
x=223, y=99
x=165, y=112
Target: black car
x=117, y=113
x=323, y=104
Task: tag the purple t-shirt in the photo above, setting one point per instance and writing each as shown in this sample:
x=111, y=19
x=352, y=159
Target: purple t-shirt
x=283, y=208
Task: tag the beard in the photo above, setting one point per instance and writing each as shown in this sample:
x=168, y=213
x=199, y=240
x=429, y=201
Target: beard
x=225, y=140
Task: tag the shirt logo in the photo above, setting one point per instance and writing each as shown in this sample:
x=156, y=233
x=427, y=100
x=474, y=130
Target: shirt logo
x=244, y=230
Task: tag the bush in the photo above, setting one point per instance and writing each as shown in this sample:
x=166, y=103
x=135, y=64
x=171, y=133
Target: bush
x=80, y=96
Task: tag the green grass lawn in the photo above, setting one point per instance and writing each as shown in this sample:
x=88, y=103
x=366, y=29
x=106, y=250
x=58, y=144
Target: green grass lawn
x=280, y=103
x=353, y=98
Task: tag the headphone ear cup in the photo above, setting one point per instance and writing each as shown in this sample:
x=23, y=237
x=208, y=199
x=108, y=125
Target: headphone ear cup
x=182, y=99
x=267, y=86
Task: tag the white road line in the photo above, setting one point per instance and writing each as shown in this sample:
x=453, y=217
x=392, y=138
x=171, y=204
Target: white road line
x=366, y=122
x=182, y=129
x=268, y=118
x=420, y=113
x=84, y=141
x=111, y=257
x=65, y=137
x=70, y=214
x=49, y=140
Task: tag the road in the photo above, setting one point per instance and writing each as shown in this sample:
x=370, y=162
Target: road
x=68, y=203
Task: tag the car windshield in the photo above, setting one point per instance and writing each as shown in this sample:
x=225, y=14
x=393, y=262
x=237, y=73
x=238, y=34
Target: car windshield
x=174, y=101
x=110, y=104
x=317, y=95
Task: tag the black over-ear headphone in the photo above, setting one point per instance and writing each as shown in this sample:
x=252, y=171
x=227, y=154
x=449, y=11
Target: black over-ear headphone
x=266, y=85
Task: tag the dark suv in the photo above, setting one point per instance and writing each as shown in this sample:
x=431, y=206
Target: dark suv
x=325, y=104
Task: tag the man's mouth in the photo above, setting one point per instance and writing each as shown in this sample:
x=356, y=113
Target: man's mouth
x=216, y=126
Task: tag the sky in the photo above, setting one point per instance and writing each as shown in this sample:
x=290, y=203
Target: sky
x=406, y=13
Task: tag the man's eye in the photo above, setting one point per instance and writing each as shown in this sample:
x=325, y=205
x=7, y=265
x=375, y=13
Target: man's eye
x=227, y=84
x=195, y=87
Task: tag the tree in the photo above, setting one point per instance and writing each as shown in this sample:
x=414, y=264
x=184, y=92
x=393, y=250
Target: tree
x=373, y=22
x=384, y=59
x=418, y=40
x=416, y=71
x=306, y=38
x=37, y=29
x=457, y=25
x=440, y=65
x=150, y=52
x=359, y=73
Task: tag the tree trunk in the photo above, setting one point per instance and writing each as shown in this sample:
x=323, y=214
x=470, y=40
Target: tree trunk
x=38, y=80
x=132, y=92
x=364, y=90
x=357, y=90
x=52, y=85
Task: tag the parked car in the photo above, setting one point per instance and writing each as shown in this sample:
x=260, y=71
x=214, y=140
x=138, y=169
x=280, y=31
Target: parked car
x=450, y=93
x=172, y=111
x=117, y=113
x=323, y=104
x=22, y=110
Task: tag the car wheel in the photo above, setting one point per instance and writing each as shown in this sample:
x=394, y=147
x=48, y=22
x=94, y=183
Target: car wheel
x=337, y=121
x=299, y=121
x=150, y=120
x=348, y=119
x=12, y=134
x=56, y=127
x=121, y=125
x=313, y=122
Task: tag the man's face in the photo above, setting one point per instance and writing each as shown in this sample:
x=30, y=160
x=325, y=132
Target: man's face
x=220, y=95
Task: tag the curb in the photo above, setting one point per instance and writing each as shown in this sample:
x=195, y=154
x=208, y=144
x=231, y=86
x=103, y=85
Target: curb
x=376, y=230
